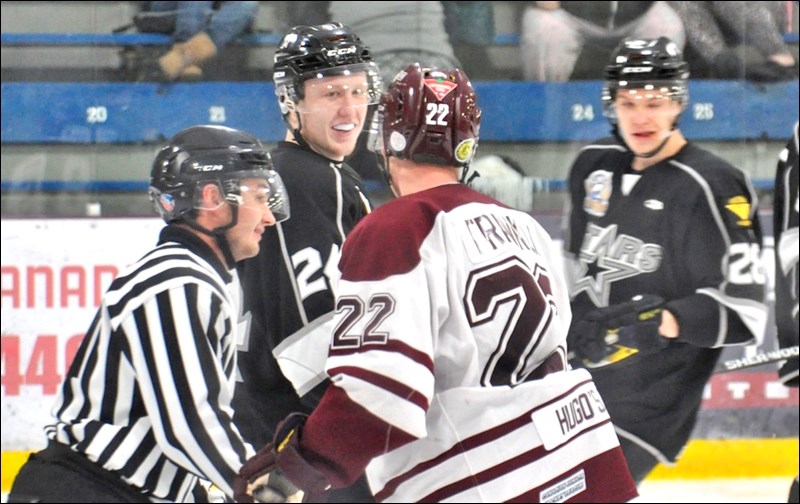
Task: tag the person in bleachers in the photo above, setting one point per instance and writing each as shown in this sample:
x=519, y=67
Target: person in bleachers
x=734, y=40
x=470, y=27
x=563, y=41
x=399, y=33
x=202, y=30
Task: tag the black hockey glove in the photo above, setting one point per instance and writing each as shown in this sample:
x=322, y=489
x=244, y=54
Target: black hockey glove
x=278, y=472
x=788, y=371
x=608, y=335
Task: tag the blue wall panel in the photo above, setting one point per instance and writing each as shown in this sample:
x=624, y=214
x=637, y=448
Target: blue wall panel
x=64, y=112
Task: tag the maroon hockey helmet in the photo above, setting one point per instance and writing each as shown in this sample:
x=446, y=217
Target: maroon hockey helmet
x=430, y=115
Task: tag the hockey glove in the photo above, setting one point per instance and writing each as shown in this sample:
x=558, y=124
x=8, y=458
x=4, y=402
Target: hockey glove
x=278, y=472
x=608, y=335
x=788, y=371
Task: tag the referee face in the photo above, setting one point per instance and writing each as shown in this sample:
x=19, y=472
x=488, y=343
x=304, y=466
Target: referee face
x=244, y=238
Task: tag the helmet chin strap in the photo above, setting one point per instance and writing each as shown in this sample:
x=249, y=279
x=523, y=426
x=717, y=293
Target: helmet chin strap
x=384, y=165
x=218, y=235
x=655, y=151
x=472, y=176
x=298, y=137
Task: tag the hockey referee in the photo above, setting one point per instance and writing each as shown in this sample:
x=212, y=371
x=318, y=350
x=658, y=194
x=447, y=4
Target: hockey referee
x=145, y=412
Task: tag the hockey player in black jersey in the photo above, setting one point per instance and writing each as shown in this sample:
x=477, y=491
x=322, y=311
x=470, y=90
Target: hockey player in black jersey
x=663, y=245
x=787, y=275
x=324, y=81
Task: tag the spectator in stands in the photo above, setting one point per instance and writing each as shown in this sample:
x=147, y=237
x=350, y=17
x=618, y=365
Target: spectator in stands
x=555, y=34
x=399, y=33
x=717, y=33
x=202, y=30
x=308, y=13
x=470, y=26
x=403, y=32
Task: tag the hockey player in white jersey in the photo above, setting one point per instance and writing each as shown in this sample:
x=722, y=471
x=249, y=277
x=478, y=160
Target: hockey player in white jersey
x=448, y=358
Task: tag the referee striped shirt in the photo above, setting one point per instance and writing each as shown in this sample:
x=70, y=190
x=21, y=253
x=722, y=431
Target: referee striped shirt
x=148, y=396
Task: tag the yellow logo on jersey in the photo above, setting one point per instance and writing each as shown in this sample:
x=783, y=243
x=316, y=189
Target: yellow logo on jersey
x=740, y=207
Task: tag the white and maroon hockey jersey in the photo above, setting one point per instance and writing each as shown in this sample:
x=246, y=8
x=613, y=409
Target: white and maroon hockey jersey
x=449, y=364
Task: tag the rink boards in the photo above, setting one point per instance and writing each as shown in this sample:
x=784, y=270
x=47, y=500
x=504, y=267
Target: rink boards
x=54, y=272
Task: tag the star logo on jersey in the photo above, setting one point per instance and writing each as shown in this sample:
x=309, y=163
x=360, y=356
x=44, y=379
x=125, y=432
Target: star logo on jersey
x=606, y=258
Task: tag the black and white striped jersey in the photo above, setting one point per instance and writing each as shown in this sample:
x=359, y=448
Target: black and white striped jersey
x=148, y=395
x=289, y=288
x=685, y=229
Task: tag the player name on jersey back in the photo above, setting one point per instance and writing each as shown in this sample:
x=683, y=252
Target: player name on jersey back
x=490, y=233
x=564, y=419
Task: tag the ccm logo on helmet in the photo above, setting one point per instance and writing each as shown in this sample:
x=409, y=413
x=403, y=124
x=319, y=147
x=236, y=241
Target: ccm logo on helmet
x=209, y=167
x=636, y=69
x=342, y=51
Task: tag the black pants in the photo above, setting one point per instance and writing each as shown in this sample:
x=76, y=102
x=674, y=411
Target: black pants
x=640, y=461
x=57, y=474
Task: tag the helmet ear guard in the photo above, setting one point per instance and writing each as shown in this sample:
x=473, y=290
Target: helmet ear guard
x=285, y=103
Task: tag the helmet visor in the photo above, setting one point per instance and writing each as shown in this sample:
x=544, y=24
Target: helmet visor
x=270, y=192
x=641, y=92
x=356, y=85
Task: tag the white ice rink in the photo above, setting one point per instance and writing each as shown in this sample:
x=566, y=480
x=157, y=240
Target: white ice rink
x=715, y=490
x=709, y=490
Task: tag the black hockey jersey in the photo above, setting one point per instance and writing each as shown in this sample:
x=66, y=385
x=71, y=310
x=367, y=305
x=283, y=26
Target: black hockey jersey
x=685, y=229
x=785, y=221
x=289, y=286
